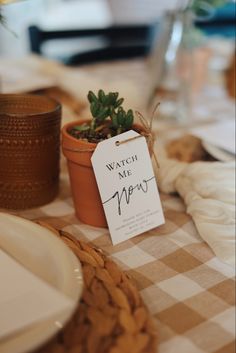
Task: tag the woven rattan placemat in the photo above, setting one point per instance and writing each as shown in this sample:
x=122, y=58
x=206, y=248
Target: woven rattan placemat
x=111, y=317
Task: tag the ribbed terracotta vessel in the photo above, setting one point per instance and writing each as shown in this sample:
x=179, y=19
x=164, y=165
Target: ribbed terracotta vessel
x=87, y=201
x=29, y=150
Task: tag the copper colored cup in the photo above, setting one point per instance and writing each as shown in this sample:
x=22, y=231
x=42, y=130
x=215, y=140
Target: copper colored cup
x=29, y=150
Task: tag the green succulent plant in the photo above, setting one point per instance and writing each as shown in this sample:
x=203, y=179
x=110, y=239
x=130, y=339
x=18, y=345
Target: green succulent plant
x=107, y=110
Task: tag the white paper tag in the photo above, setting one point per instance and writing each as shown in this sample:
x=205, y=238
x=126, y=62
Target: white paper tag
x=127, y=186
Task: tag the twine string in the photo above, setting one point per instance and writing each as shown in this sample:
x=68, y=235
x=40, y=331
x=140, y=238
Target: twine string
x=149, y=134
x=118, y=143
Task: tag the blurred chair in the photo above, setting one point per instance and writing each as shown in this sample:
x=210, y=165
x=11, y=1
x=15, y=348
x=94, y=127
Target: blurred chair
x=116, y=42
x=133, y=37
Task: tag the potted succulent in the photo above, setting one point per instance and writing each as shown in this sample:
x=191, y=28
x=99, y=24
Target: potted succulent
x=79, y=140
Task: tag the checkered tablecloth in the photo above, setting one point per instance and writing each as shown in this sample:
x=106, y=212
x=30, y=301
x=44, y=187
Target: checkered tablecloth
x=190, y=293
x=187, y=289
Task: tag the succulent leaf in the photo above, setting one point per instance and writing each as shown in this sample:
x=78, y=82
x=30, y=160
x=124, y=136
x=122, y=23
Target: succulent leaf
x=129, y=119
x=103, y=114
x=101, y=95
x=94, y=108
x=119, y=102
x=114, y=121
x=92, y=97
x=121, y=116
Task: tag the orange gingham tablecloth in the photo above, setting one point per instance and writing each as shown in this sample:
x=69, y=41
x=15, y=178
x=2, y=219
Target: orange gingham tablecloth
x=190, y=293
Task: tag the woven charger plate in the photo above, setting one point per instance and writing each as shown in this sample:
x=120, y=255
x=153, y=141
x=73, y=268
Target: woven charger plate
x=111, y=317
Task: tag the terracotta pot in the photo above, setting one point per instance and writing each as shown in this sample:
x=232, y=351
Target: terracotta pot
x=87, y=201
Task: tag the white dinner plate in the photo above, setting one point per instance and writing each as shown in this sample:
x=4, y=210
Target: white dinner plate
x=45, y=255
x=218, y=153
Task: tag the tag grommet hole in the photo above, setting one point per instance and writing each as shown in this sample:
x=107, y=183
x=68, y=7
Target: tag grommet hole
x=117, y=143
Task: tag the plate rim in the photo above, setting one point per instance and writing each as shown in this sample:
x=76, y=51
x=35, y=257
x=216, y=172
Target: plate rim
x=217, y=152
x=38, y=334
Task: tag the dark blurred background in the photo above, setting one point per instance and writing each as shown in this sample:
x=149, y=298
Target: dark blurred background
x=79, y=31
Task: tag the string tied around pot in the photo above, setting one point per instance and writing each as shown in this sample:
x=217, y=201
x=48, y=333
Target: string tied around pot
x=148, y=133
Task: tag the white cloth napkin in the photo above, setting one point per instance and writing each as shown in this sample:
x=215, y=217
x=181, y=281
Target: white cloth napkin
x=208, y=189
